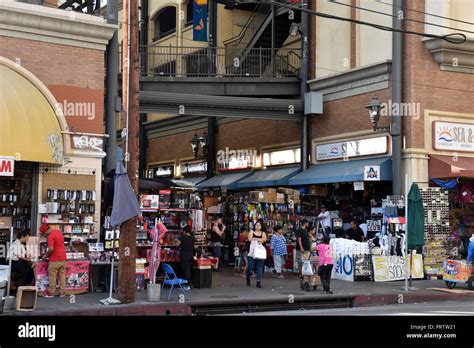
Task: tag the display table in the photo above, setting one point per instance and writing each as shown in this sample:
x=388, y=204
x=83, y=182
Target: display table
x=77, y=276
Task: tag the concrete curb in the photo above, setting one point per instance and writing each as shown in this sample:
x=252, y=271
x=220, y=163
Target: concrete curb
x=403, y=297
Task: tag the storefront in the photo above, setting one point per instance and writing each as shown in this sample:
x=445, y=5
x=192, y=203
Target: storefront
x=48, y=173
x=449, y=205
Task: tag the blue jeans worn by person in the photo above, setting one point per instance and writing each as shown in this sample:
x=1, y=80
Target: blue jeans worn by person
x=278, y=262
x=257, y=265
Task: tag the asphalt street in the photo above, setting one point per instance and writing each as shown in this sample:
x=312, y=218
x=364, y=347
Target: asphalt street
x=464, y=308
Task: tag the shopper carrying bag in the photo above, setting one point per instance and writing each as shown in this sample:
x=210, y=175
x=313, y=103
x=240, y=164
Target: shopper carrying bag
x=256, y=257
x=325, y=263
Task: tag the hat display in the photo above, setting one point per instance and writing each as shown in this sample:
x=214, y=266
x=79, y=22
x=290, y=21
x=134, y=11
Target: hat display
x=44, y=228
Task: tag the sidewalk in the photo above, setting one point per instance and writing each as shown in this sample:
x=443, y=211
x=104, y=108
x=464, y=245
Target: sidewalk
x=229, y=291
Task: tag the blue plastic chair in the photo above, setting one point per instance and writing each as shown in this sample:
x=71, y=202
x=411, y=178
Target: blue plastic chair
x=172, y=280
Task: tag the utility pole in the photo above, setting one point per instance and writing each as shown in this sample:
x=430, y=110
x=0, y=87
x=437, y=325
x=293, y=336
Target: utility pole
x=397, y=95
x=304, y=80
x=130, y=78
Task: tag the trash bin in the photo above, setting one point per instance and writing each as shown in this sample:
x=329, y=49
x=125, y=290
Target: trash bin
x=202, y=277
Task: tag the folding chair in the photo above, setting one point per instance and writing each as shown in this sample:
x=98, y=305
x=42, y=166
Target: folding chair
x=172, y=280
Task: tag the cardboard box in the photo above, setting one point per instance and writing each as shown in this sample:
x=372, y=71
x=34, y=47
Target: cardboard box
x=254, y=196
x=318, y=190
x=280, y=199
x=272, y=197
x=269, y=190
x=296, y=194
x=263, y=197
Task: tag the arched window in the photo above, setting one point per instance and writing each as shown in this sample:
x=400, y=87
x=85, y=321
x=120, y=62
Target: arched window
x=165, y=22
x=189, y=13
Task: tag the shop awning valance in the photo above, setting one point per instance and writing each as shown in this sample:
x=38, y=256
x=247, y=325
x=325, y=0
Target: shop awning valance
x=29, y=127
x=193, y=180
x=450, y=167
x=268, y=177
x=343, y=171
x=227, y=180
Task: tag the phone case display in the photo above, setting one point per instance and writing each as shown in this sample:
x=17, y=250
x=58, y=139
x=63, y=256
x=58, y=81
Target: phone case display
x=437, y=229
x=15, y=201
x=71, y=211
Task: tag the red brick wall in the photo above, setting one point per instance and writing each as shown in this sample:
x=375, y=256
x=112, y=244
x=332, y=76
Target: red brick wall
x=71, y=73
x=426, y=84
x=347, y=115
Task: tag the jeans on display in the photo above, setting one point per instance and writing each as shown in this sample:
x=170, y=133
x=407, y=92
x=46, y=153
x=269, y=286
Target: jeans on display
x=257, y=265
x=326, y=276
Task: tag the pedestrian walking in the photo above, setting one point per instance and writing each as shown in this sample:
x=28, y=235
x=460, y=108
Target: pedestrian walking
x=244, y=246
x=256, y=238
x=279, y=250
x=325, y=263
x=302, y=245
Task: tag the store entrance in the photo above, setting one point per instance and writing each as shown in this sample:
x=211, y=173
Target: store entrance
x=17, y=199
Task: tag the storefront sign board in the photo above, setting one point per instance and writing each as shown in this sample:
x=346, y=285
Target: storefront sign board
x=193, y=168
x=453, y=136
x=77, y=276
x=372, y=173
x=343, y=267
x=390, y=268
x=352, y=148
x=7, y=166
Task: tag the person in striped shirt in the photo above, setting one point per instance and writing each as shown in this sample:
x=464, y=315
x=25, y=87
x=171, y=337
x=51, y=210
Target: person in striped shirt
x=279, y=250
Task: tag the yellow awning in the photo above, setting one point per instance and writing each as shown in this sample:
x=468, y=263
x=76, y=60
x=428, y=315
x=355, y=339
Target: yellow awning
x=29, y=128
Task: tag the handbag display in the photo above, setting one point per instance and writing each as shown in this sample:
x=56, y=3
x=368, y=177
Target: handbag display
x=307, y=269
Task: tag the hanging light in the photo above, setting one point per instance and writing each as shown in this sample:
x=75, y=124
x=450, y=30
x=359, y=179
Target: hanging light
x=203, y=143
x=374, y=112
x=194, y=145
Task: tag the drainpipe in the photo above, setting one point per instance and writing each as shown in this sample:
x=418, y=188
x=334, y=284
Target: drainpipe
x=397, y=95
x=111, y=88
x=211, y=121
x=304, y=79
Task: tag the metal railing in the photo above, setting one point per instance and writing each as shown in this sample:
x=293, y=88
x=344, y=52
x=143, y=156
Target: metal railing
x=172, y=61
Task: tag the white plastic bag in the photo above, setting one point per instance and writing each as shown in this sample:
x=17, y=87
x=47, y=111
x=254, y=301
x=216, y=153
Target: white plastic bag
x=260, y=253
x=307, y=269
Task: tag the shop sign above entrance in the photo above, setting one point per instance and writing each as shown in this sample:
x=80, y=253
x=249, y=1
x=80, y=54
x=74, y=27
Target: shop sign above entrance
x=453, y=136
x=372, y=173
x=7, y=166
x=353, y=148
x=193, y=168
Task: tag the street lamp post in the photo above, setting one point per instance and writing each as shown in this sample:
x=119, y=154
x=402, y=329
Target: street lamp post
x=199, y=143
x=374, y=112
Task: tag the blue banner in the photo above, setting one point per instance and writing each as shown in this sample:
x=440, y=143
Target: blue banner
x=200, y=20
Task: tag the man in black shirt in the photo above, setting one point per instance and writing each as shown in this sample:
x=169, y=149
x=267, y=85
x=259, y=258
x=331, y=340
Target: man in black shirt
x=355, y=232
x=186, y=252
x=303, y=245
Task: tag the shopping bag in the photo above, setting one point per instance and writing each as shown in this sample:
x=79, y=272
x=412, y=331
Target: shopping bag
x=260, y=253
x=307, y=269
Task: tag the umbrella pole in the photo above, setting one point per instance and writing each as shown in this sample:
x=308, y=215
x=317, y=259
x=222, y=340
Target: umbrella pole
x=406, y=231
x=411, y=267
x=110, y=299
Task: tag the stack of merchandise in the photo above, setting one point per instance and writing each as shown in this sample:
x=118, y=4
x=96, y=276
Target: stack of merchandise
x=437, y=231
x=360, y=253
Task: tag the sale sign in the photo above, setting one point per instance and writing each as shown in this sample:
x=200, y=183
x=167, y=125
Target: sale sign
x=389, y=268
x=343, y=267
x=7, y=166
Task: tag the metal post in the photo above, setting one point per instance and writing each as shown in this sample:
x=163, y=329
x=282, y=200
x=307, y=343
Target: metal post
x=406, y=231
x=111, y=89
x=304, y=79
x=273, y=52
x=397, y=89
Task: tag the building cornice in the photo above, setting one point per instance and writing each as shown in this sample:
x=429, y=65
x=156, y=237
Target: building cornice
x=40, y=23
x=452, y=57
x=353, y=82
